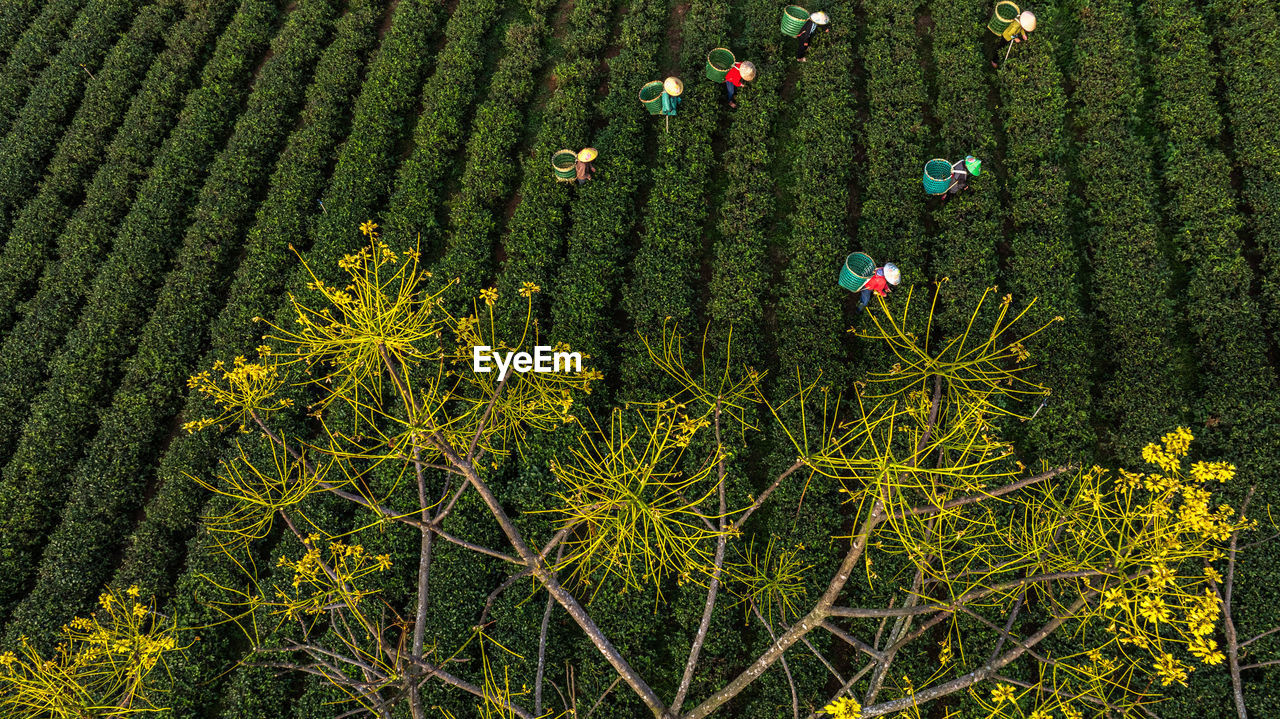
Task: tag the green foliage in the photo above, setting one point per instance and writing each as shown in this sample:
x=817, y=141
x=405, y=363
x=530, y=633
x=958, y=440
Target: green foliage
x=895, y=135
x=84, y=371
x=107, y=483
x=1046, y=263
x=85, y=239
x=36, y=48
x=604, y=214
x=446, y=100
x=36, y=131
x=80, y=149
x=969, y=223
x=1139, y=393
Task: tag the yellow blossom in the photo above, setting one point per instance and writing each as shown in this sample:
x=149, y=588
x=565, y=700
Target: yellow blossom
x=843, y=708
x=1002, y=693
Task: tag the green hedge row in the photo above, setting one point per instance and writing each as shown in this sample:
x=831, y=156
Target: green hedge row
x=604, y=214
x=1237, y=386
x=810, y=323
x=969, y=224
x=890, y=227
x=15, y=16
x=447, y=100
x=158, y=543
x=1235, y=411
x=1247, y=35
x=668, y=261
x=487, y=173
x=84, y=240
x=534, y=238
x=106, y=485
x=358, y=185
x=37, y=46
x=36, y=130
x=1139, y=392
x=741, y=274
x=1045, y=264
x=810, y=337
x=86, y=369
x=79, y=151
x=364, y=176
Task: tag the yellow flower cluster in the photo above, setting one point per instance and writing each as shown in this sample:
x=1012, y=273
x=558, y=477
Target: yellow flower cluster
x=843, y=708
x=319, y=585
x=245, y=389
x=1170, y=670
x=100, y=660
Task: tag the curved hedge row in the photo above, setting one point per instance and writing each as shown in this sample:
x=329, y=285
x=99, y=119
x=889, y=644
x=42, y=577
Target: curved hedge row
x=37, y=46
x=447, y=99
x=36, y=131
x=487, y=174
x=159, y=541
x=534, y=237
x=79, y=151
x=107, y=483
x=1046, y=264
x=85, y=239
x=88, y=365
x=357, y=186
x=1138, y=394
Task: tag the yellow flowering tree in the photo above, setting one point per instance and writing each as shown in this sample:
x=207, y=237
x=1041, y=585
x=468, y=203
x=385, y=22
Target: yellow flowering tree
x=104, y=665
x=989, y=556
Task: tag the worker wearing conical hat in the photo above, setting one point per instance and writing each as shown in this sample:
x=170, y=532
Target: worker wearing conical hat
x=583, y=166
x=671, y=89
x=1017, y=30
x=739, y=73
x=815, y=21
x=879, y=283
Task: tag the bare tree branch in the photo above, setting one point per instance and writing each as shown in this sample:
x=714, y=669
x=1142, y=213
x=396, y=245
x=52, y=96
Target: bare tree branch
x=713, y=587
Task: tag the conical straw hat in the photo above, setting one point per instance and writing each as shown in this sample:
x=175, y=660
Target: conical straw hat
x=748, y=71
x=1027, y=20
x=587, y=155
x=673, y=86
x=820, y=18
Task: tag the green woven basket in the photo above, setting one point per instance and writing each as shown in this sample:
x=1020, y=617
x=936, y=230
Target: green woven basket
x=564, y=163
x=857, y=269
x=1006, y=12
x=937, y=176
x=793, y=17
x=651, y=96
x=719, y=61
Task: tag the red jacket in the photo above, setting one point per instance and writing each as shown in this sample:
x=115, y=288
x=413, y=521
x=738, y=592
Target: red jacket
x=734, y=75
x=877, y=284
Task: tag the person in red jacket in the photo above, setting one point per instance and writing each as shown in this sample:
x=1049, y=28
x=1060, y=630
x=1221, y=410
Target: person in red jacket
x=879, y=283
x=741, y=71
